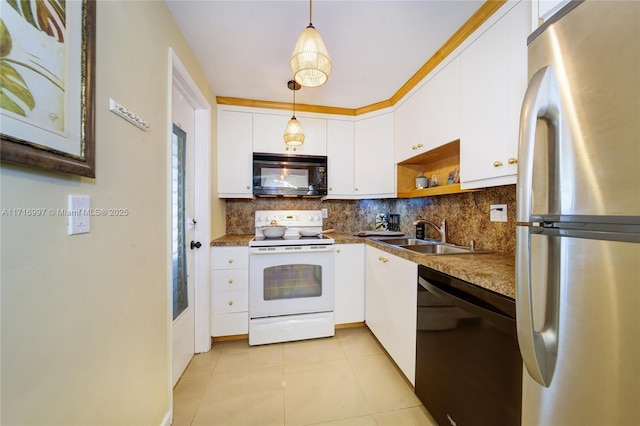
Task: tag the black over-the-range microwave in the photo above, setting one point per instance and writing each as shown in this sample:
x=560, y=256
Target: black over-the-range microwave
x=289, y=175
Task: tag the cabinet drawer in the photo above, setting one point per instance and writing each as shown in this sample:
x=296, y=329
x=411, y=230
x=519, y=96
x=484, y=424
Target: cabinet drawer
x=230, y=280
x=230, y=301
x=230, y=257
x=230, y=324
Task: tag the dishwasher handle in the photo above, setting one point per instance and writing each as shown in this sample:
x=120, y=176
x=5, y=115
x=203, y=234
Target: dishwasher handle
x=471, y=304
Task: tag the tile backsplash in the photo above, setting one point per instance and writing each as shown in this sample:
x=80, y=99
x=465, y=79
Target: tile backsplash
x=467, y=215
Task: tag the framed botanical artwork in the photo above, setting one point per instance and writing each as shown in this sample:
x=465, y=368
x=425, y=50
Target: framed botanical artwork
x=47, y=84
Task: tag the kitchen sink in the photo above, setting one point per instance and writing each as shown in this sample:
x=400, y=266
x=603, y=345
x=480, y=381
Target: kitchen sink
x=405, y=241
x=436, y=249
x=428, y=247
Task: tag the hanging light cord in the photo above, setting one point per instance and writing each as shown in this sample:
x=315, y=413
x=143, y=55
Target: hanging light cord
x=294, y=101
x=310, y=20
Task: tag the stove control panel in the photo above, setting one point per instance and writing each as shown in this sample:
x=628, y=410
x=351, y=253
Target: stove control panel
x=290, y=218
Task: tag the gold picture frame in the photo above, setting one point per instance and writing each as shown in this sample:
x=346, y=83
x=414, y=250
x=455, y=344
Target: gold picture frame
x=60, y=134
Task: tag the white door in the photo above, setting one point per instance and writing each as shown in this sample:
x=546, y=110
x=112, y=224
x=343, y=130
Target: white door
x=183, y=224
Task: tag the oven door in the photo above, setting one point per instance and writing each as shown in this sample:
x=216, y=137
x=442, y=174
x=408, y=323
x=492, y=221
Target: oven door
x=291, y=283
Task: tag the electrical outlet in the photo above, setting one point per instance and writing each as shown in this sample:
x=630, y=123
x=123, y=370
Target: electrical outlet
x=498, y=213
x=325, y=214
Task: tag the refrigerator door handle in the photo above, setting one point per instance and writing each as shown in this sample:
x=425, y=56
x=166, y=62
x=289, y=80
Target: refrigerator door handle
x=538, y=348
x=541, y=102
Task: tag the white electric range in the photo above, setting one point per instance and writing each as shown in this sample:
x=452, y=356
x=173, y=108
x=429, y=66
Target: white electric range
x=291, y=279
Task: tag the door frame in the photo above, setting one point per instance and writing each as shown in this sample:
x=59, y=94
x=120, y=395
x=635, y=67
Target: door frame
x=179, y=76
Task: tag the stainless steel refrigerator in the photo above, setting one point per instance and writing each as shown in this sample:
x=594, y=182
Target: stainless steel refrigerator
x=578, y=213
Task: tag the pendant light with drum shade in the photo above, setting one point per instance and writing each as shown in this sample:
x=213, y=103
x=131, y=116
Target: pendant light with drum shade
x=293, y=134
x=310, y=62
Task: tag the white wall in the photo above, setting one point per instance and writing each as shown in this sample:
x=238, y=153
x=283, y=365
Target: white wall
x=84, y=318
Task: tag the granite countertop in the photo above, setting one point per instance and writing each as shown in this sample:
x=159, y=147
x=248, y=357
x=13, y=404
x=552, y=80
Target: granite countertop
x=493, y=271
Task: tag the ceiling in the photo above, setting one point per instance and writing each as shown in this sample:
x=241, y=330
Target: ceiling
x=243, y=47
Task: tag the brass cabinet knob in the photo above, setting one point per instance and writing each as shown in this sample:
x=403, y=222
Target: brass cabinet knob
x=230, y=280
x=330, y=188
x=230, y=260
x=419, y=145
x=512, y=160
x=414, y=147
x=248, y=187
x=338, y=251
x=383, y=259
x=497, y=164
x=230, y=302
x=356, y=189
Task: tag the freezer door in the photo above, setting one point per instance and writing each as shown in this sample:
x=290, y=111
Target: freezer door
x=597, y=370
x=586, y=65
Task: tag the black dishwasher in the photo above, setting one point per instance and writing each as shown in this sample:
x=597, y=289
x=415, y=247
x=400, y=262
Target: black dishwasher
x=468, y=366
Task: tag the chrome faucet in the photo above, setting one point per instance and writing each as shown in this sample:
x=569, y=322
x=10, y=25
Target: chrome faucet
x=442, y=229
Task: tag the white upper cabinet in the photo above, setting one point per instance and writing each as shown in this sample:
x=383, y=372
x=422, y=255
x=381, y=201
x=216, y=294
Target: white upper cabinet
x=431, y=116
x=542, y=10
x=340, y=161
x=493, y=78
x=360, y=158
x=374, y=165
x=268, y=131
x=234, y=154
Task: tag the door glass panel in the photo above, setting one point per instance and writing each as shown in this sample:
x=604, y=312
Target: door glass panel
x=292, y=282
x=178, y=238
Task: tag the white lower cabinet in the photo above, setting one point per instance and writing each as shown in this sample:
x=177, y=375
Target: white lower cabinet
x=229, y=291
x=390, y=301
x=349, y=283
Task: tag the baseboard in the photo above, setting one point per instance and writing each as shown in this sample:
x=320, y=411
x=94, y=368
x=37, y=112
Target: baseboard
x=246, y=336
x=350, y=325
x=231, y=337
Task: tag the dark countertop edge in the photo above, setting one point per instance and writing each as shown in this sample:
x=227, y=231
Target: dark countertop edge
x=492, y=271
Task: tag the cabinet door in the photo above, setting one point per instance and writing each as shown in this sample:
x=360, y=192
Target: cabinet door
x=315, y=139
x=230, y=257
x=492, y=84
x=390, y=303
x=376, y=309
x=268, y=131
x=349, y=283
x=442, y=112
x=234, y=154
x=431, y=116
x=340, y=161
x=409, y=132
x=374, y=166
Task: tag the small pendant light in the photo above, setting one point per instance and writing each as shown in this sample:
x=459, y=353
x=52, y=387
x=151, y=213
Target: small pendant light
x=310, y=62
x=293, y=134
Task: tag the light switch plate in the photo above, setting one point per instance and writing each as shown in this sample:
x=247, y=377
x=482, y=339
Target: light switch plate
x=325, y=214
x=498, y=215
x=78, y=214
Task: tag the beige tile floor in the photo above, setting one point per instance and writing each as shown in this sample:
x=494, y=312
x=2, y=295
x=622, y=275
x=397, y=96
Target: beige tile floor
x=344, y=380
